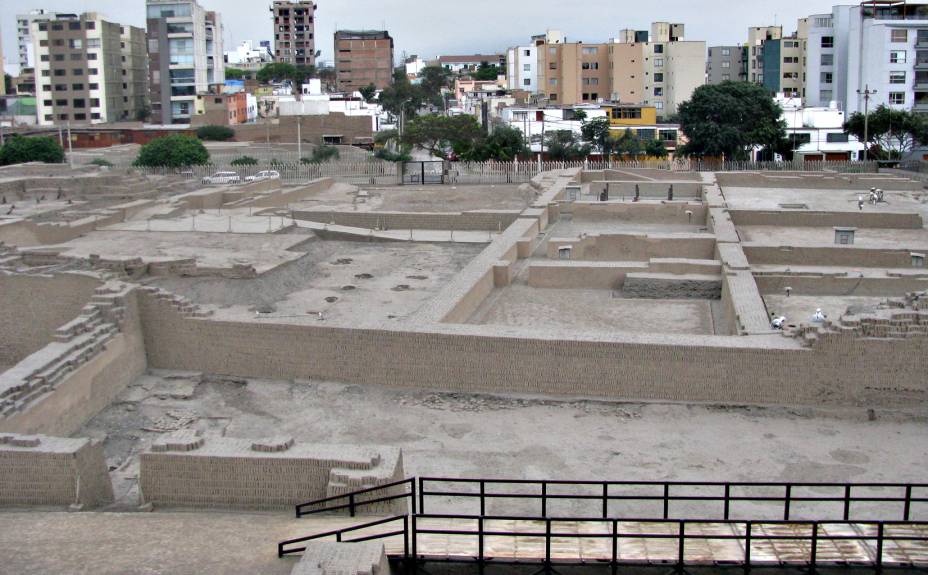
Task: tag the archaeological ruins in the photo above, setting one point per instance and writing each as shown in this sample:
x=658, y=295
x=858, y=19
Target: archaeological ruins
x=189, y=374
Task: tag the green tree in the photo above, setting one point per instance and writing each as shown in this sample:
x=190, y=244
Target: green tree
x=432, y=82
x=235, y=74
x=19, y=150
x=730, y=119
x=599, y=133
x=175, y=151
x=215, y=133
x=443, y=136
x=504, y=145
x=368, y=92
x=8, y=83
x=321, y=155
x=655, y=149
x=281, y=71
x=565, y=146
x=401, y=95
x=892, y=132
x=487, y=72
x=629, y=144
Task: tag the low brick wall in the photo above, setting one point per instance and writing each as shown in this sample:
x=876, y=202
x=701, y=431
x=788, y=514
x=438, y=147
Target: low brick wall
x=41, y=470
x=648, y=190
x=641, y=212
x=635, y=247
x=828, y=256
x=815, y=181
x=184, y=469
x=669, y=286
x=479, y=220
x=809, y=219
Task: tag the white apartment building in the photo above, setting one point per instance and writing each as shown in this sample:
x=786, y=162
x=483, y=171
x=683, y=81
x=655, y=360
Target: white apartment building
x=817, y=133
x=522, y=62
x=247, y=56
x=881, y=47
x=25, y=51
x=185, y=51
x=534, y=121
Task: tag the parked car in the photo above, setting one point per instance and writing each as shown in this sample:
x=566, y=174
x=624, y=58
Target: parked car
x=223, y=178
x=265, y=175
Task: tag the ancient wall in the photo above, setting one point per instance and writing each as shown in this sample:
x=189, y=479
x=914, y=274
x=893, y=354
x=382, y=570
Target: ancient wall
x=478, y=220
x=184, y=469
x=846, y=371
x=635, y=247
x=829, y=256
x=312, y=129
x=641, y=212
x=33, y=307
x=815, y=181
x=40, y=470
x=825, y=285
x=647, y=190
x=333, y=558
x=805, y=218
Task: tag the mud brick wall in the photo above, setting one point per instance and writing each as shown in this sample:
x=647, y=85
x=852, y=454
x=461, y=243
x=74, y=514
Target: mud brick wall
x=845, y=371
x=815, y=181
x=479, y=220
x=41, y=470
x=642, y=212
x=635, y=247
x=666, y=286
x=828, y=256
x=332, y=558
x=841, y=286
x=647, y=190
x=808, y=219
x=581, y=275
x=224, y=472
x=33, y=307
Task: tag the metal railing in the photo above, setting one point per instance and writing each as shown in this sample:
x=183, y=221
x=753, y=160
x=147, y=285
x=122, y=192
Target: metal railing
x=354, y=500
x=339, y=535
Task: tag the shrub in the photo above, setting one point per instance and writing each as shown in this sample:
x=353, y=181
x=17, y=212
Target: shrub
x=244, y=161
x=102, y=162
x=391, y=156
x=174, y=151
x=321, y=155
x=215, y=133
x=19, y=150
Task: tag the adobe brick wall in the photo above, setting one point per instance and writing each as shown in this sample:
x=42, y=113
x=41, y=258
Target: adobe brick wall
x=183, y=469
x=647, y=190
x=33, y=307
x=840, y=286
x=642, y=212
x=817, y=181
x=41, y=470
x=312, y=129
x=635, y=247
x=805, y=218
x=841, y=371
x=859, y=257
x=478, y=220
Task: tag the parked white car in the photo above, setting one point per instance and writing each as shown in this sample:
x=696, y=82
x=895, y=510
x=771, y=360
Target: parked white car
x=265, y=175
x=223, y=178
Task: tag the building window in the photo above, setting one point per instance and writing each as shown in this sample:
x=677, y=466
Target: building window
x=897, y=57
x=526, y=82
x=897, y=77
x=552, y=81
x=93, y=86
x=899, y=36
x=726, y=52
x=590, y=51
x=95, y=102
x=726, y=64
x=837, y=138
x=60, y=72
x=61, y=103
x=828, y=59
x=726, y=77
x=552, y=97
x=828, y=41
x=76, y=44
x=59, y=58
x=827, y=77
x=658, y=91
x=825, y=95
x=897, y=98
x=44, y=57
x=80, y=103
x=43, y=27
x=658, y=105
x=526, y=67
x=658, y=62
x=585, y=97
x=74, y=25
x=77, y=87
x=658, y=48
x=57, y=27
x=91, y=25
x=552, y=66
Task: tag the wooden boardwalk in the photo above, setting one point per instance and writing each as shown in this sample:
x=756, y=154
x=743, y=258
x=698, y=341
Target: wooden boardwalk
x=591, y=542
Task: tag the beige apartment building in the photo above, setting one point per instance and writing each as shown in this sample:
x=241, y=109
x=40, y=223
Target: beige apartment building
x=758, y=36
x=363, y=58
x=295, y=32
x=89, y=70
x=658, y=69
x=2, y=68
x=779, y=61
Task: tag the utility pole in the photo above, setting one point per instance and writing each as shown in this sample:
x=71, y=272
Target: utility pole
x=299, y=136
x=866, y=93
x=70, y=147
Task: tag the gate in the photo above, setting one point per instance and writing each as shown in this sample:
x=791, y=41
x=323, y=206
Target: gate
x=429, y=172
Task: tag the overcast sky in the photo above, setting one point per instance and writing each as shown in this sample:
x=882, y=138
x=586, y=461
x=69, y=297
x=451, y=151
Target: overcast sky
x=432, y=27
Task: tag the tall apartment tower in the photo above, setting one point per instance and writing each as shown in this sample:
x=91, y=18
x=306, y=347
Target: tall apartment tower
x=727, y=63
x=2, y=68
x=185, y=57
x=88, y=71
x=295, y=31
x=24, y=36
x=658, y=69
x=758, y=36
x=880, y=46
x=363, y=58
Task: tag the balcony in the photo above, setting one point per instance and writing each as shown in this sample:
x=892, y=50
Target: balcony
x=921, y=64
x=920, y=106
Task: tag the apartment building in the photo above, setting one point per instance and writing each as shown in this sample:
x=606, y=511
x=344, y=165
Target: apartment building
x=2, y=68
x=295, y=31
x=362, y=58
x=24, y=23
x=462, y=64
x=185, y=51
x=758, y=36
x=662, y=71
x=880, y=46
x=727, y=63
x=88, y=70
x=522, y=62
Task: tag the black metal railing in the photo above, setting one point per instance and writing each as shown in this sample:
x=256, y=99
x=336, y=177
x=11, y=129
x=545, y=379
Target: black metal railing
x=355, y=500
x=810, y=536
x=782, y=499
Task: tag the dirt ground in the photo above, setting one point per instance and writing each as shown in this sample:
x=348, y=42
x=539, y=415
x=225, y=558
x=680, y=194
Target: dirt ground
x=420, y=198
x=591, y=309
x=465, y=435
x=347, y=282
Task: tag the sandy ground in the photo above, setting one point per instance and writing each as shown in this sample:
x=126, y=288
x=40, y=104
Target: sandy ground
x=264, y=252
x=464, y=435
x=421, y=198
x=346, y=281
x=525, y=306
x=827, y=200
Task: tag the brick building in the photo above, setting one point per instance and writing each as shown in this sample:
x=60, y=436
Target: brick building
x=363, y=58
x=295, y=32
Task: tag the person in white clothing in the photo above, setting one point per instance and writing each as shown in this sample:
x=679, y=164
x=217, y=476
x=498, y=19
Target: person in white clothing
x=819, y=316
